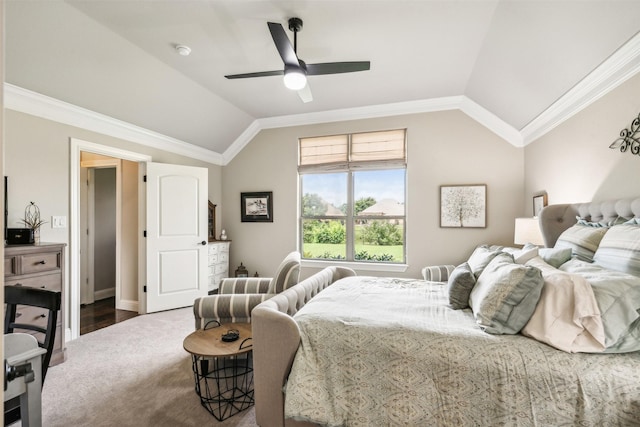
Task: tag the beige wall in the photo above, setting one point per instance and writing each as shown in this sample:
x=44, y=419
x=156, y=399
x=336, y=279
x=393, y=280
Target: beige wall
x=574, y=163
x=37, y=163
x=444, y=148
x=37, y=156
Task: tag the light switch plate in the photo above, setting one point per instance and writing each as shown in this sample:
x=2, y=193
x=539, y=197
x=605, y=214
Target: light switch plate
x=58, y=222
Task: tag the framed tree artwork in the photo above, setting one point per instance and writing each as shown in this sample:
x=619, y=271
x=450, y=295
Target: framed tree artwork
x=463, y=206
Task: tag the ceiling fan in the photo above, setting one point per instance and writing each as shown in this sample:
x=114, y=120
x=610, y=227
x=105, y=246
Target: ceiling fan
x=295, y=70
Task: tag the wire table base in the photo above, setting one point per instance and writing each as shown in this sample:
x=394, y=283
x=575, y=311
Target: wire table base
x=224, y=384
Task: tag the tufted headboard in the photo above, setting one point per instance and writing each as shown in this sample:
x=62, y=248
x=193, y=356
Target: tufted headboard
x=554, y=219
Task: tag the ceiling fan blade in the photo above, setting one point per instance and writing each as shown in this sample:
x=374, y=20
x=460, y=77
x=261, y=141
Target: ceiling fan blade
x=258, y=74
x=305, y=94
x=337, y=67
x=283, y=44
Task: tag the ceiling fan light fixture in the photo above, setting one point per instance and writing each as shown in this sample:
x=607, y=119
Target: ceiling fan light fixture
x=294, y=78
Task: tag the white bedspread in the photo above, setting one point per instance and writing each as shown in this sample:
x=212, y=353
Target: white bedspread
x=567, y=316
x=380, y=352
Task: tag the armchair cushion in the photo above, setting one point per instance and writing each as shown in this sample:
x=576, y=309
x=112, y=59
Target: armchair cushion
x=244, y=285
x=226, y=308
x=287, y=275
x=437, y=273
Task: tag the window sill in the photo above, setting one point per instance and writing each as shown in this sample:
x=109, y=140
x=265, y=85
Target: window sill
x=365, y=266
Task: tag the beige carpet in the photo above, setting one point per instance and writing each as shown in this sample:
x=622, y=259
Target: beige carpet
x=134, y=373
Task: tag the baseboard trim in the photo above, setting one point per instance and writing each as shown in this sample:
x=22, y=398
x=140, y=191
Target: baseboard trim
x=104, y=294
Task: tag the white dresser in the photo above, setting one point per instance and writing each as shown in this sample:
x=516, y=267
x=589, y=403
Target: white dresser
x=218, y=262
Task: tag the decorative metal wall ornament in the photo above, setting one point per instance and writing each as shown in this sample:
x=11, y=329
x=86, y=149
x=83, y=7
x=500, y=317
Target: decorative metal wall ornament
x=629, y=138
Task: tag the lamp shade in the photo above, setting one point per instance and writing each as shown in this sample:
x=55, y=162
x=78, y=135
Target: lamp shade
x=528, y=231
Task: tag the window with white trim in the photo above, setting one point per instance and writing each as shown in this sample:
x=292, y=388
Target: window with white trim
x=352, y=196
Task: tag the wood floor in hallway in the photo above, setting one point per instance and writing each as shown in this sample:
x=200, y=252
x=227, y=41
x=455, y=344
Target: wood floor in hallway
x=101, y=314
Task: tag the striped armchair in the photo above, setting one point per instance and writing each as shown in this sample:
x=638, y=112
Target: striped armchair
x=437, y=273
x=238, y=296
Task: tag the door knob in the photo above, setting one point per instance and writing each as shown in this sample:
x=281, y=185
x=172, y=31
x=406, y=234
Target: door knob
x=204, y=242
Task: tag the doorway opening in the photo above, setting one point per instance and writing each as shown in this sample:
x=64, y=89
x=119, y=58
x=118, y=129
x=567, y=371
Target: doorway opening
x=86, y=156
x=100, y=267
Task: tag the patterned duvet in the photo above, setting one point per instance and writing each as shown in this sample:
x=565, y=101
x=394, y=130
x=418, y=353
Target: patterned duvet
x=386, y=352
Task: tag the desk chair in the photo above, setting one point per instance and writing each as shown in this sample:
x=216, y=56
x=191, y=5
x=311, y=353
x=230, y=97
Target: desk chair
x=38, y=314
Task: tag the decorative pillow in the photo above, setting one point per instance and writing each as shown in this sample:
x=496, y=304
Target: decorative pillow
x=583, y=241
x=505, y=295
x=618, y=220
x=620, y=249
x=555, y=257
x=480, y=257
x=525, y=254
x=459, y=286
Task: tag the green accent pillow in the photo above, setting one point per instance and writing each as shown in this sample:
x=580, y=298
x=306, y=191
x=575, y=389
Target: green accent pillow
x=619, y=249
x=505, y=295
x=481, y=256
x=555, y=257
x=582, y=239
x=459, y=286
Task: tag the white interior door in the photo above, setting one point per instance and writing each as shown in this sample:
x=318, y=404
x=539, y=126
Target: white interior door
x=176, y=230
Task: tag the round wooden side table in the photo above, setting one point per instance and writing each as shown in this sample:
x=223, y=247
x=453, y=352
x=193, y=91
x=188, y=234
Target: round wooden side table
x=223, y=371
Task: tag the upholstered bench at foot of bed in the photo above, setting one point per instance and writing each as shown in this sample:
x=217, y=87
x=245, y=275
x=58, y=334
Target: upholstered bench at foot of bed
x=437, y=273
x=275, y=341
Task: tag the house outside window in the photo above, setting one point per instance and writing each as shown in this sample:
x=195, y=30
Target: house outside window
x=352, y=197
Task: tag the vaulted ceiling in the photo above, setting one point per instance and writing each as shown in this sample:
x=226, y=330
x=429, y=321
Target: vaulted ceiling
x=511, y=62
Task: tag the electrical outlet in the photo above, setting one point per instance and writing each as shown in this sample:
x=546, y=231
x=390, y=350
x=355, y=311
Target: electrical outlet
x=58, y=222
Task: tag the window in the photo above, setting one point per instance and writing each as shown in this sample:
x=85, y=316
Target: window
x=352, y=196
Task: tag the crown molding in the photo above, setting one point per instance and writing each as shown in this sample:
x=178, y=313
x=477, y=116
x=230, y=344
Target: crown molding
x=36, y=104
x=462, y=103
x=615, y=70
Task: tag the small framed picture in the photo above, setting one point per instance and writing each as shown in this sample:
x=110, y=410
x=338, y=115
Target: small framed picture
x=211, y=222
x=256, y=207
x=539, y=202
x=463, y=206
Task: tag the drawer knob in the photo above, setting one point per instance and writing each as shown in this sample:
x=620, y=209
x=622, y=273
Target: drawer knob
x=43, y=262
x=43, y=315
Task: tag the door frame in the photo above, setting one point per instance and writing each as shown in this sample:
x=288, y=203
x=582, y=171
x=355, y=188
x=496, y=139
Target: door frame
x=77, y=146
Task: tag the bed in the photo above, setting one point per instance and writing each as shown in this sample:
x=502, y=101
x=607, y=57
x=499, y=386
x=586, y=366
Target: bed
x=560, y=347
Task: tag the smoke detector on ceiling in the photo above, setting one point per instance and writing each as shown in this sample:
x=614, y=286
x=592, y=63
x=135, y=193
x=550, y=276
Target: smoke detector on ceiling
x=183, y=50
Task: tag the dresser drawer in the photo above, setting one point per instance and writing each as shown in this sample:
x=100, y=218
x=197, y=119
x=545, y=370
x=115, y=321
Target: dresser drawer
x=213, y=249
x=52, y=282
x=38, y=266
x=10, y=266
x=32, y=316
x=35, y=263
